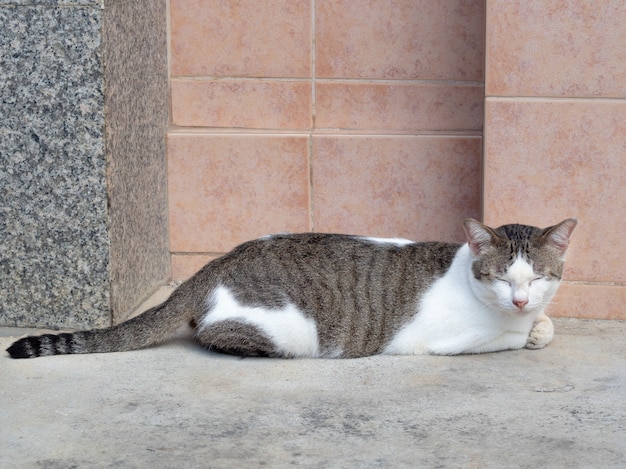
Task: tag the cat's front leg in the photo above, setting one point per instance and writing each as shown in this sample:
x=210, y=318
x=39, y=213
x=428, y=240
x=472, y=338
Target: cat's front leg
x=541, y=334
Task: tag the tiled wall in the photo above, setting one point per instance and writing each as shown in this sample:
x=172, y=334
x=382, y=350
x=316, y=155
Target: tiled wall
x=367, y=117
x=329, y=115
x=555, y=136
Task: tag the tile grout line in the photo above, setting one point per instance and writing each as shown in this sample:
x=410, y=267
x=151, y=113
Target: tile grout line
x=313, y=65
x=496, y=98
x=335, y=80
x=313, y=116
x=322, y=132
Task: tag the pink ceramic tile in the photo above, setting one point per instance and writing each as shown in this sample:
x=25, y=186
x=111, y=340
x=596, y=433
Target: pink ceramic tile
x=271, y=38
x=185, y=265
x=579, y=300
x=226, y=189
x=400, y=107
x=548, y=160
x=414, y=187
x=557, y=48
x=403, y=39
x=243, y=103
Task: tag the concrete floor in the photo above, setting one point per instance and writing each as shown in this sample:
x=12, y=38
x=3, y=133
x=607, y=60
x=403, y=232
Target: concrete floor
x=179, y=406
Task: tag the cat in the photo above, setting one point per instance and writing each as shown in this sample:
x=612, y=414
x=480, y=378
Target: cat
x=341, y=296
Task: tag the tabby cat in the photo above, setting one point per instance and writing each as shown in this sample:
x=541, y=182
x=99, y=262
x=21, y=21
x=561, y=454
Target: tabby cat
x=340, y=296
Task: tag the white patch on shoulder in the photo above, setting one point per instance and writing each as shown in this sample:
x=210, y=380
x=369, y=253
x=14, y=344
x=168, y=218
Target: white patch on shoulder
x=293, y=334
x=271, y=236
x=394, y=241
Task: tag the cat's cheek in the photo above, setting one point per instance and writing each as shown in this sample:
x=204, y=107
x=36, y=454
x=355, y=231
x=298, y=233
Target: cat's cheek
x=485, y=292
x=541, y=292
x=493, y=294
x=505, y=294
x=541, y=288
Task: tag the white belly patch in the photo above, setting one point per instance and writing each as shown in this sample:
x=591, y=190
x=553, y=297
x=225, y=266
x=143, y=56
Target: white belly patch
x=293, y=334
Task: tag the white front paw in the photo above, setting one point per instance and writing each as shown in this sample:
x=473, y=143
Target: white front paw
x=541, y=334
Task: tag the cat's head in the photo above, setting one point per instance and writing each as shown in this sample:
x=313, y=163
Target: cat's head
x=517, y=268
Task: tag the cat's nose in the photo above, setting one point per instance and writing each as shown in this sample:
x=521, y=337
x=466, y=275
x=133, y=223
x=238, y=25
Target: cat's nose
x=520, y=303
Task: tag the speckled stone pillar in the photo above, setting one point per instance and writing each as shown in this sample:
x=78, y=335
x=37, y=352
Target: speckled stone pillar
x=83, y=113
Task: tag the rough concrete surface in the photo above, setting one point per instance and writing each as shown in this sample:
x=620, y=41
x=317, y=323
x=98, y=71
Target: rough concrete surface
x=179, y=406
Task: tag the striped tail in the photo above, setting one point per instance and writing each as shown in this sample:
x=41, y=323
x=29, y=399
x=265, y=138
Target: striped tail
x=149, y=328
x=41, y=345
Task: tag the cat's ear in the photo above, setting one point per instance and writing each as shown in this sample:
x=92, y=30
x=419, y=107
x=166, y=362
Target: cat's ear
x=479, y=236
x=557, y=236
